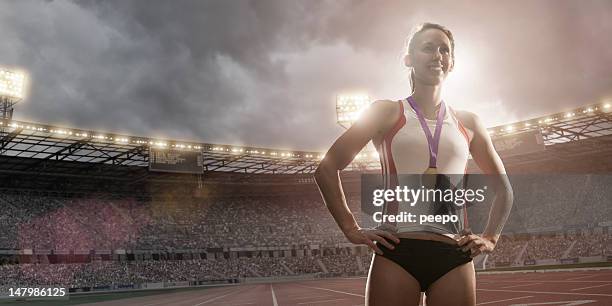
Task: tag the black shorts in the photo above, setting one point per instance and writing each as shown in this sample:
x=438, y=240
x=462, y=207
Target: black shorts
x=426, y=260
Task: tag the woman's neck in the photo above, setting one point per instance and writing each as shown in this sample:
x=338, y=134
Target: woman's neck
x=428, y=99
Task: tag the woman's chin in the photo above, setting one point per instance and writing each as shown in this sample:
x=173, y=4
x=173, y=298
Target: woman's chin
x=432, y=79
x=435, y=81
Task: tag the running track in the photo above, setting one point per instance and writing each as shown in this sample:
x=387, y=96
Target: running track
x=543, y=288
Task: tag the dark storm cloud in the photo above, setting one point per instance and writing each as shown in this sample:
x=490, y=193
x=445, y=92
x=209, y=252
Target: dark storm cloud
x=266, y=72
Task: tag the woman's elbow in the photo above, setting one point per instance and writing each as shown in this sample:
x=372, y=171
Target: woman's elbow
x=502, y=188
x=323, y=170
x=319, y=172
x=508, y=193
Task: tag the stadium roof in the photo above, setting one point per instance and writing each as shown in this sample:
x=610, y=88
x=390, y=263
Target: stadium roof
x=28, y=145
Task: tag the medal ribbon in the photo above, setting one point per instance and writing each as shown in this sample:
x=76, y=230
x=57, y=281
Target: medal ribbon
x=434, y=140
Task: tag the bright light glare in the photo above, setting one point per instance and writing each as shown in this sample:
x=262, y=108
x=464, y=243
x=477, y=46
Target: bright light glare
x=12, y=83
x=463, y=83
x=350, y=107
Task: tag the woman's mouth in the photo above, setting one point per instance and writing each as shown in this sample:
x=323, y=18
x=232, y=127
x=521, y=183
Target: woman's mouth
x=436, y=68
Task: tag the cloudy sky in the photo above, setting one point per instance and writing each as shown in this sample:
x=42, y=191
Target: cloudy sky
x=266, y=73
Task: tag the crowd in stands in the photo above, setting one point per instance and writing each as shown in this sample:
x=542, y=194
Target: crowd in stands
x=106, y=273
x=591, y=245
x=506, y=250
x=40, y=222
x=36, y=222
x=338, y=262
x=182, y=222
x=559, y=202
x=547, y=248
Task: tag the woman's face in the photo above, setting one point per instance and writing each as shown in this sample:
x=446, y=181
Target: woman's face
x=430, y=57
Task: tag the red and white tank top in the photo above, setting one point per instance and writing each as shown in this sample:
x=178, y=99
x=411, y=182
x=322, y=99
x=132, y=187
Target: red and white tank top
x=404, y=150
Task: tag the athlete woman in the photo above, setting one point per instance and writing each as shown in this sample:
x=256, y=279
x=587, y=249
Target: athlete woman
x=414, y=259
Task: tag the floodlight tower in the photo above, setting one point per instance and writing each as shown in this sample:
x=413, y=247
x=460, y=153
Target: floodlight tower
x=349, y=108
x=11, y=91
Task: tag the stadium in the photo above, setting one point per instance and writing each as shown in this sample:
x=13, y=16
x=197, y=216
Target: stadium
x=227, y=214
x=110, y=216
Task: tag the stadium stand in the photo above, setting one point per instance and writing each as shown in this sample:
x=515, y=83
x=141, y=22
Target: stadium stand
x=100, y=218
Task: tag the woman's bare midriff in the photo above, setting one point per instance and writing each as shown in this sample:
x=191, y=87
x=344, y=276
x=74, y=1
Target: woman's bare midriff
x=427, y=236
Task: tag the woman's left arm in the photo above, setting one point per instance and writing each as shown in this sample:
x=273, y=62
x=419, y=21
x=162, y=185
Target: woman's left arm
x=484, y=154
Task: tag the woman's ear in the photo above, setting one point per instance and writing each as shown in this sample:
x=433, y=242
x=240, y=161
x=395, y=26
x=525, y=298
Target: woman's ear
x=407, y=61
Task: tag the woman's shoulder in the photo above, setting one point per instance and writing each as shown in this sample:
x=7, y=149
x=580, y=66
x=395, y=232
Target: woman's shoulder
x=385, y=109
x=386, y=113
x=467, y=118
x=385, y=105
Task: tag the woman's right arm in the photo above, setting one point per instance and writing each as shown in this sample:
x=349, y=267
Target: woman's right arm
x=379, y=118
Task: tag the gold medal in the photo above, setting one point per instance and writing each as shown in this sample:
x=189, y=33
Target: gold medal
x=431, y=170
x=429, y=178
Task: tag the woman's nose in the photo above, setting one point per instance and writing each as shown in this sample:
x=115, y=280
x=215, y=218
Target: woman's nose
x=437, y=54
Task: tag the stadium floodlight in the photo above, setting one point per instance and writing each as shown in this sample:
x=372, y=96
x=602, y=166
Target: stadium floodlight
x=349, y=108
x=11, y=91
x=12, y=84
